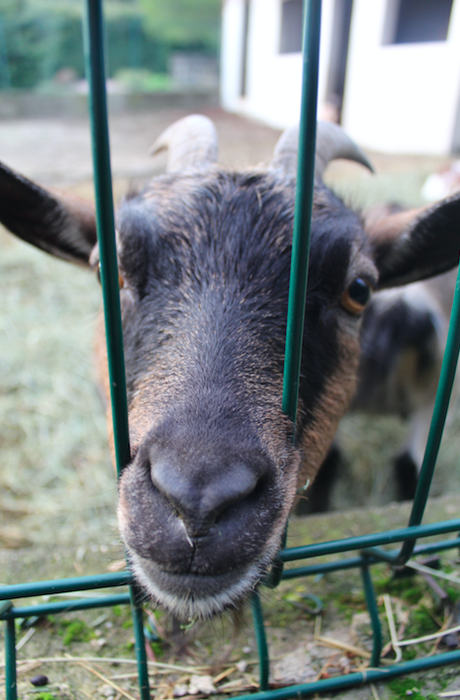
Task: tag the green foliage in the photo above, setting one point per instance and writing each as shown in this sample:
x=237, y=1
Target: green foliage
x=408, y=588
x=412, y=595
x=348, y=603
x=29, y=43
x=158, y=649
x=124, y=618
x=192, y=23
x=404, y=687
x=421, y=623
x=453, y=593
x=143, y=80
x=38, y=38
x=130, y=47
x=76, y=631
x=409, y=653
x=45, y=695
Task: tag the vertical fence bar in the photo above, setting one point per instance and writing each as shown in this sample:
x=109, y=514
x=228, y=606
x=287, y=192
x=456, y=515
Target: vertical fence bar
x=94, y=60
x=262, y=647
x=302, y=226
x=374, y=615
x=139, y=637
x=303, y=207
x=10, y=660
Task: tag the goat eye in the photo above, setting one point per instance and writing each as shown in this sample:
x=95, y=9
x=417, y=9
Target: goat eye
x=121, y=282
x=357, y=296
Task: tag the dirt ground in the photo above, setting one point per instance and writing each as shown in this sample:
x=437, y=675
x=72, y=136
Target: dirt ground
x=58, y=151
x=57, y=491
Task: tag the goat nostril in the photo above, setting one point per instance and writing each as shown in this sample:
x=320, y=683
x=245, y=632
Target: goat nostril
x=195, y=532
x=200, y=495
x=222, y=493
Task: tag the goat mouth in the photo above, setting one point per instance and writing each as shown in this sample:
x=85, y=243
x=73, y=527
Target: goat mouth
x=191, y=596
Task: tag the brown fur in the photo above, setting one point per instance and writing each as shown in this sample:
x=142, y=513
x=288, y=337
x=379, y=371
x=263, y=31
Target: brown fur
x=335, y=400
x=389, y=227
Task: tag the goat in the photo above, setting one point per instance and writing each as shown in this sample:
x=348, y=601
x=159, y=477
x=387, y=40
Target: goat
x=204, y=256
x=403, y=338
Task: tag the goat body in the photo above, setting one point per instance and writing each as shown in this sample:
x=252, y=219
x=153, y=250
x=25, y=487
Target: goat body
x=204, y=255
x=403, y=338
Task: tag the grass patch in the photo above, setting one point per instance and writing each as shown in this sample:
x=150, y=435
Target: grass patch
x=409, y=588
x=421, y=623
x=453, y=593
x=407, y=687
x=52, y=425
x=75, y=631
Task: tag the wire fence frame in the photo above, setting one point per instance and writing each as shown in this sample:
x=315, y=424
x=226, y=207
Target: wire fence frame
x=369, y=547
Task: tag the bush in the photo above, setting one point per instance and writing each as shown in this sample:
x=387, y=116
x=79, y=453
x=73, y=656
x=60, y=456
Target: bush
x=39, y=39
x=143, y=80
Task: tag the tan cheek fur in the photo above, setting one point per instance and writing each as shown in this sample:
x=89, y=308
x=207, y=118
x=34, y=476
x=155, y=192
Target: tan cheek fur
x=338, y=392
x=387, y=229
x=102, y=374
x=142, y=409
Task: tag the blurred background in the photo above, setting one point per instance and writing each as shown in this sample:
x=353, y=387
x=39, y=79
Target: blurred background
x=151, y=45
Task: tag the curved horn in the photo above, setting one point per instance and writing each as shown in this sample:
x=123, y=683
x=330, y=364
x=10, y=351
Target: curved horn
x=191, y=142
x=285, y=153
x=331, y=143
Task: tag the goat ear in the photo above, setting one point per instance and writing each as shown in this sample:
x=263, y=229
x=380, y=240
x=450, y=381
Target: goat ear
x=416, y=244
x=60, y=224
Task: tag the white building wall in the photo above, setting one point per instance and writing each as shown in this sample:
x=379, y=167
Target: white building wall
x=231, y=55
x=273, y=80
x=400, y=98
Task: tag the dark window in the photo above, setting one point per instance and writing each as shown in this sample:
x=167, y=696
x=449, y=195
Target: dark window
x=414, y=21
x=339, y=54
x=291, y=26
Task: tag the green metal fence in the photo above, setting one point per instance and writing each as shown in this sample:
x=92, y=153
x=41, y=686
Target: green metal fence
x=369, y=548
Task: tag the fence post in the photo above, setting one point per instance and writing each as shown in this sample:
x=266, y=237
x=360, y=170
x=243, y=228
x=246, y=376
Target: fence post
x=94, y=60
x=10, y=659
x=303, y=208
x=374, y=615
x=259, y=627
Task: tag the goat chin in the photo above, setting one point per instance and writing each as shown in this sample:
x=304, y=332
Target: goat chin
x=190, y=597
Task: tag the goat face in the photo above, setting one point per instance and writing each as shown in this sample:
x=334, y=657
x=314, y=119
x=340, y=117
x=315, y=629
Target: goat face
x=214, y=471
x=205, y=259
